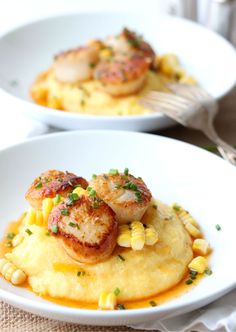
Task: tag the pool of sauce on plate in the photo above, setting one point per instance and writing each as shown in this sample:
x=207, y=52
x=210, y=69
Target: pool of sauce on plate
x=180, y=289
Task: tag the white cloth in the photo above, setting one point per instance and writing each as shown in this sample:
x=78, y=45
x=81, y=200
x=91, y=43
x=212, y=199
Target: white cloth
x=218, y=316
x=14, y=127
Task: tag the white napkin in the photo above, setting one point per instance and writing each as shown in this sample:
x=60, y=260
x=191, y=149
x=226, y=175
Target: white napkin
x=15, y=127
x=218, y=316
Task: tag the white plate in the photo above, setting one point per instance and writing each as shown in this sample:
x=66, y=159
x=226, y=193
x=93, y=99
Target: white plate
x=28, y=50
x=174, y=171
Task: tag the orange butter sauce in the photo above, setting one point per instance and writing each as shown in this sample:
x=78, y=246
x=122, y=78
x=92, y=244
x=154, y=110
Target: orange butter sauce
x=171, y=294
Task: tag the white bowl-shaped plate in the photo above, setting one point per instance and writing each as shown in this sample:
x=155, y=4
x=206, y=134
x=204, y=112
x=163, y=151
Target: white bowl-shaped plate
x=29, y=49
x=174, y=171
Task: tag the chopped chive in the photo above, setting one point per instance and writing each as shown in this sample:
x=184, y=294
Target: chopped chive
x=120, y=306
x=117, y=291
x=218, y=227
x=153, y=303
x=121, y=258
x=72, y=224
x=54, y=228
x=94, y=176
x=130, y=186
x=118, y=186
x=80, y=273
x=28, y=231
x=208, y=272
x=95, y=205
x=8, y=244
x=46, y=180
x=176, y=207
x=193, y=273
x=59, y=180
x=11, y=235
x=38, y=185
x=126, y=171
x=73, y=197
x=57, y=198
x=138, y=196
x=92, y=65
x=113, y=171
x=154, y=206
x=47, y=234
x=189, y=282
x=65, y=212
x=91, y=192
x=105, y=176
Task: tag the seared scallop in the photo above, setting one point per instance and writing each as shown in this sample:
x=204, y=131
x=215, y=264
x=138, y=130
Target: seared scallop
x=122, y=74
x=87, y=228
x=77, y=64
x=128, y=196
x=128, y=42
x=52, y=183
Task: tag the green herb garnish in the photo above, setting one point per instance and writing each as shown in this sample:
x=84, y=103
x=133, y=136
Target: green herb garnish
x=28, y=231
x=121, y=258
x=11, y=235
x=113, y=171
x=130, y=186
x=92, y=65
x=54, y=228
x=81, y=273
x=117, y=291
x=208, y=272
x=72, y=224
x=218, y=227
x=38, y=185
x=57, y=198
x=153, y=303
x=120, y=306
x=94, y=176
x=118, y=186
x=189, y=282
x=8, y=244
x=73, y=197
x=47, y=234
x=91, y=192
x=65, y=212
x=176, y=207
x=126, y=171
x=154, y=206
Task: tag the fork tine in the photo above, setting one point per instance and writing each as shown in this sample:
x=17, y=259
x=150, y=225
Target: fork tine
x=189, y=91
x=168, y=97
x=175, y=107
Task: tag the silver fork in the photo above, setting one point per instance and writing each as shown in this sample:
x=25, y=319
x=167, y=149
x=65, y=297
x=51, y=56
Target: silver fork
x=193, y=108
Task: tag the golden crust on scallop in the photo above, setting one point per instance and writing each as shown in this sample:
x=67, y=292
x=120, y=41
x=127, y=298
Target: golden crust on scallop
x=87, y=228
x=52, y=183
x=128, y=196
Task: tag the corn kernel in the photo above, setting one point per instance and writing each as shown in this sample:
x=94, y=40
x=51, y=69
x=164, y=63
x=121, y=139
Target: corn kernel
x=30, y=216
x=201, y=247
x=47, y=207
x=151, y=235
x=192, y=230
x=39, y=218
x=106, y=53
x=17, y=240
x=107, y=301
x=80, y=191
x=3, y=261
x=10, y=270
x=137, y=235
x=124, y=236
x=185, y=216
x=11, y=273
x=18, y=277
x=198, y=264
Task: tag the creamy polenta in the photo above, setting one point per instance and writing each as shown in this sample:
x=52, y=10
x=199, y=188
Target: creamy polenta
x=140, y=275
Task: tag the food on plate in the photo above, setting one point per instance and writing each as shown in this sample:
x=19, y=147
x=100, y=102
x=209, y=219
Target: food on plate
x=107, y=77
x=106, y=243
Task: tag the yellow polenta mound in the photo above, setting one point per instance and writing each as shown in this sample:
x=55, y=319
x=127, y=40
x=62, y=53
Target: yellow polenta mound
x=88, y=97
x=142, y=274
